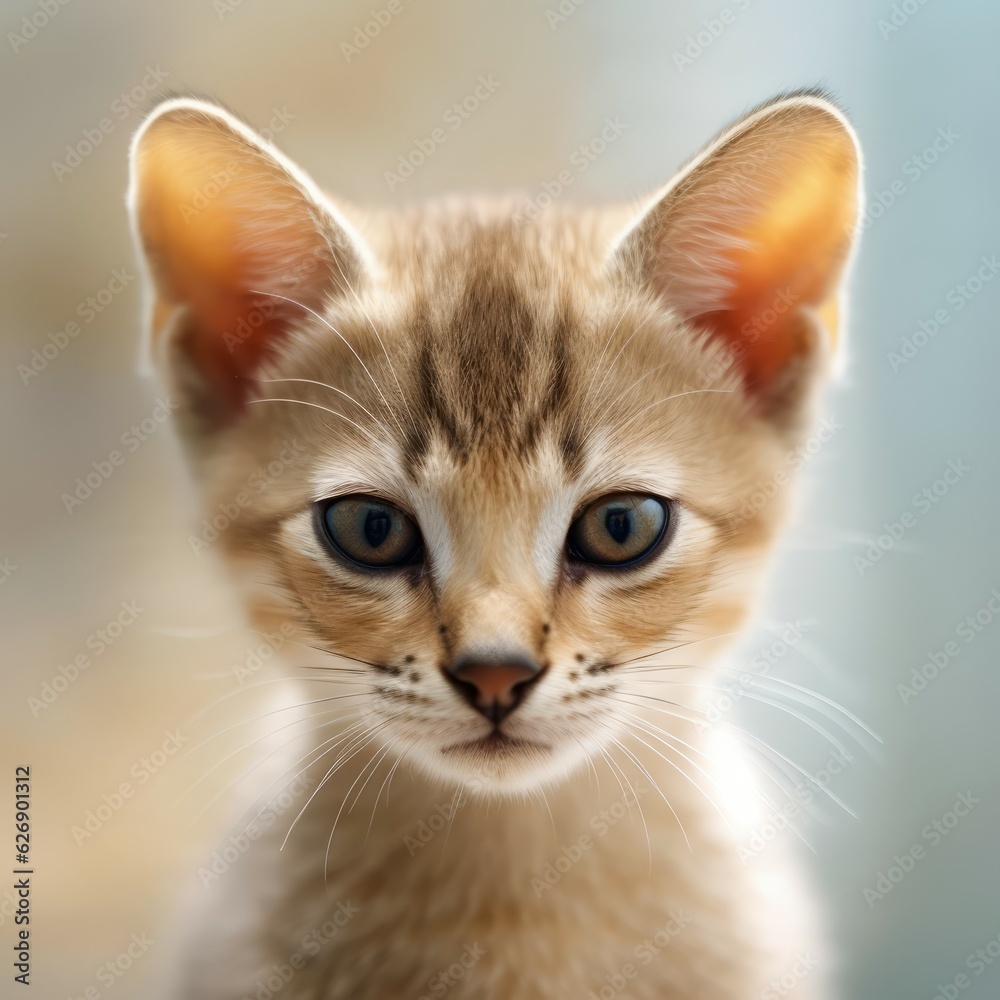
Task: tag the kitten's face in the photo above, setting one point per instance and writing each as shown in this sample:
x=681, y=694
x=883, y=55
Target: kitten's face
x=508, y=458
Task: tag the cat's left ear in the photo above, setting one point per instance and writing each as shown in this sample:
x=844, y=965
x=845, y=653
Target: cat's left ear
x=239, y=245
x=749, y=241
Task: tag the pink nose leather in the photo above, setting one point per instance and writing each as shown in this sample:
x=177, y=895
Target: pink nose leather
x=494, y=688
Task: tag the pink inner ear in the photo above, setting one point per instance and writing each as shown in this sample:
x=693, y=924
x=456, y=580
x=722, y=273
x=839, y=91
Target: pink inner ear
x=256, y=231
x=785, y=258
x=233, y=328
x=235, y=336
x=761, y=354
x=752, y=241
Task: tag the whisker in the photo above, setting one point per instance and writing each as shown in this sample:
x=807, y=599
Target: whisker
x=638, y=801
x=326, y=409
x=254, y=741
x=372, y=733
x=331, y=744
x=745, y=735
x=357, y=795
x=635, y=724
x=284, y=679
x=274, y=711
x=386, y=782
x=669, y=805
x=614, y=360
x=614, y=773
x=765, y=677
x=333, y=741
x=682, y=645
x=332, y=388
x=676, y=739
x=752, y=742
x=456, y=800
x=657, y=733
x=667, y=399
x=590, y=761
x=764, y=700
x=368, y=319
x=347, y=343
x=634, y=297
x=353, y=739
x=242, y=776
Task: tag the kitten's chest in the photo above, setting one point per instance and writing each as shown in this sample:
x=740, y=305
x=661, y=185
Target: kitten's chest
x=477, y=903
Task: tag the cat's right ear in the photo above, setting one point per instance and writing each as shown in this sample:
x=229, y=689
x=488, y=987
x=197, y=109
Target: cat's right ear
x=239, y=245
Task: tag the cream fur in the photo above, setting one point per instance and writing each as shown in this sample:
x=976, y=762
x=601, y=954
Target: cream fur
x=492, y=376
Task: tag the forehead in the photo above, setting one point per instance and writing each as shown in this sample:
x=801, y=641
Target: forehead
x=504, y=350
x=493, y=363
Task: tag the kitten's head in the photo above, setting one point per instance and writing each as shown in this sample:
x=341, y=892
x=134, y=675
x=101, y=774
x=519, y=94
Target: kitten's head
x=495, y=460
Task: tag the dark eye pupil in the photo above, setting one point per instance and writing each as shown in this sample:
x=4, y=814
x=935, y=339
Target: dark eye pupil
x=618, y=529
x=377, y=526
x=369, y=531
x=618, y=524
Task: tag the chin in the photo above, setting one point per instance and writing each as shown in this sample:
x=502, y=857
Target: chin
x=500, y=765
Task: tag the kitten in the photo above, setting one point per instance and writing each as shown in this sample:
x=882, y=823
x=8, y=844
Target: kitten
x=514, y=539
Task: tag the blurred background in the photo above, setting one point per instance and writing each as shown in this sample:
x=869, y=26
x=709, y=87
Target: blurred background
x=116, y=634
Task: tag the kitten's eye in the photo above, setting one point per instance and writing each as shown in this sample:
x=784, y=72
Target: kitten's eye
x=370, y=531
x=619, y=529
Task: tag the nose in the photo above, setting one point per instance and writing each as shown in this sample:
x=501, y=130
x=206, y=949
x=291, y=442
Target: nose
x=493, y=686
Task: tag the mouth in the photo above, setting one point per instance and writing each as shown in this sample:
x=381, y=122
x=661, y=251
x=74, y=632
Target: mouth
x=495, y=744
